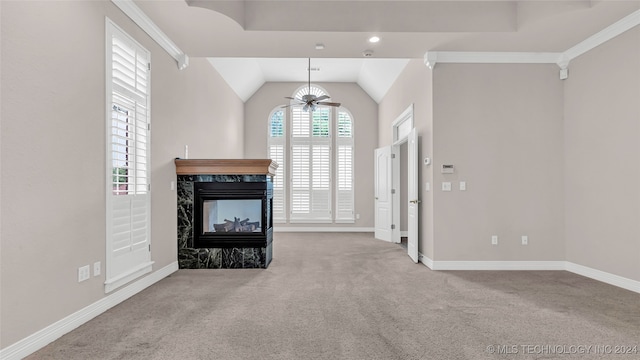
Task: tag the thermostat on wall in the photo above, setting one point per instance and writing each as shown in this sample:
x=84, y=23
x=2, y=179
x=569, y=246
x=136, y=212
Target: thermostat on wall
x=447, y=169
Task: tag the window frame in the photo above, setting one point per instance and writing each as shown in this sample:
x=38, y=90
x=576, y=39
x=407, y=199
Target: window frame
x=128, y=214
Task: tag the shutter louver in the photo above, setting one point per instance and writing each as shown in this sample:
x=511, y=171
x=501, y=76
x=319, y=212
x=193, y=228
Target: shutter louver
x=320, y=169
x=277, y=145
x=344, y=168
x=128, y=198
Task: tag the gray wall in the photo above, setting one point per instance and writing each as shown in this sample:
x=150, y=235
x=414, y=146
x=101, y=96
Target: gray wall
x=555, y=160
x=365, y=120
x=53, y=153
x=602, y=157
x=501, y=127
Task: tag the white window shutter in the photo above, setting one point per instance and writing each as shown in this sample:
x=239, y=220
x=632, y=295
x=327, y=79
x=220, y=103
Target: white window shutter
x=345, y=207
x=277, y=145
x=128, y=198
x=319, y=178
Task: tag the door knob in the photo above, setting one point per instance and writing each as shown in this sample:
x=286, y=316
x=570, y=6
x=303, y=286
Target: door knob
x=415, y=201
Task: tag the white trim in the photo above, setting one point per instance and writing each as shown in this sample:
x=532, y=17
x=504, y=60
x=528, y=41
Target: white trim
x=605, y=277
x=498, y=265
x=628, y=22
x=431, y=58
x=404, y=233
x=595, y=274
x=142, y=269
x=41, y=338
x=425, y=260
x=322, y=229
x=145, y=23
x=466, y=57
x=407, y=115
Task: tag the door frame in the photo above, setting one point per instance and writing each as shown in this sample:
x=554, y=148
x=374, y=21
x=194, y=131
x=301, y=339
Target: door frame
x=401, y=127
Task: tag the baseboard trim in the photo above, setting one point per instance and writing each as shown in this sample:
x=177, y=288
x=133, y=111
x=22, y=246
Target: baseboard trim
x=605, y=277
x=599, y=275
x=322, y=229
x=425, y=260
x=498, y=265
x=41, y=338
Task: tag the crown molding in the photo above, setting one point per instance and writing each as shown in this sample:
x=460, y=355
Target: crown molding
x=466, y=57
x=626, y=23
x=562, y=59
x=145, y=23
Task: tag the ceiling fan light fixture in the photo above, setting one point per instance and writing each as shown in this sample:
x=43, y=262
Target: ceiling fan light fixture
x=310, y=101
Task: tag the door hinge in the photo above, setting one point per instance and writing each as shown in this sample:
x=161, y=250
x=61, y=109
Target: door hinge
x=393, y=226
x=393, y=156
x=149, y=66
x=393, y=191
x=149, y=247
x=148, y=187
x=149, y=126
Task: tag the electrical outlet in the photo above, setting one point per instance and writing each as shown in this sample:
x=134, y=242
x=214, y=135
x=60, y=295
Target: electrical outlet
x=84, y=273
x=525, y=240
x=494, y=240
x=357, y=216
x=96, y=268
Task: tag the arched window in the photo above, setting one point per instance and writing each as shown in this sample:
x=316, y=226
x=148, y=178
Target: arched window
x=314, y=183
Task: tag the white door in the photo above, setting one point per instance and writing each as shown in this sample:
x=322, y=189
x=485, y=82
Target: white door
x=383, y=198
x=412, y=196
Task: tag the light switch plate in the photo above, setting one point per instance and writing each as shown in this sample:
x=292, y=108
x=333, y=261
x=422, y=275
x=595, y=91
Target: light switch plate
x=463, y=185
x=446, y=186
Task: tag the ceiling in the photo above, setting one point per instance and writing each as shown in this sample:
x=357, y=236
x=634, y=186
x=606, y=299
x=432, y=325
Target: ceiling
x=251, y=42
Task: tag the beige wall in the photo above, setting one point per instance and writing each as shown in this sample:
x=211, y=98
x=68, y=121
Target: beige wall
x=53, y=153
x=602, y=157
x=413, y=86
x=365, y=118
x=501, y=127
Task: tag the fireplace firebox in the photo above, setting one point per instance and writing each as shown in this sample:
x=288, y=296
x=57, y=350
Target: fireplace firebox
x=231, y=214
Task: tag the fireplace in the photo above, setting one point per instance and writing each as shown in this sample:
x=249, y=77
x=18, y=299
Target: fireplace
x=225, y=213
x=231, y=214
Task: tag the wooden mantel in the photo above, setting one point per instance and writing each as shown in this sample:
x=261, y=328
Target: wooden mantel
x=226, y=167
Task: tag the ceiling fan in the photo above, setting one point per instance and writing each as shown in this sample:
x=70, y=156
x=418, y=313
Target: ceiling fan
x=311, y=101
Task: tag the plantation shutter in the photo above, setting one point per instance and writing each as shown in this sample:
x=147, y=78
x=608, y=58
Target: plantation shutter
x=310, y=165
x=277, y=143
x=128, y=195
x=344, y=169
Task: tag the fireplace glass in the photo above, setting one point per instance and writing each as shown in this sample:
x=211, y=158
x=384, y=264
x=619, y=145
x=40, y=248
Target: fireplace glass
x=231, y=216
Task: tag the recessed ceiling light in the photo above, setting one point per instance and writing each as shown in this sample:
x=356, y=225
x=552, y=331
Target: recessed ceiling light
x=319, y=46
x=374, y=39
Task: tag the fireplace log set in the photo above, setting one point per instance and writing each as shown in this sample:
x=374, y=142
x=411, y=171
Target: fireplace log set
x=237, y=225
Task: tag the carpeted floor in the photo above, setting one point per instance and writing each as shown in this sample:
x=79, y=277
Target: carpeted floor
x=349, y=296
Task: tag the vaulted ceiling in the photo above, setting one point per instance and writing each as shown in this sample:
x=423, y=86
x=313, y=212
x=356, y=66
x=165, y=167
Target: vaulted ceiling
x=242, y=38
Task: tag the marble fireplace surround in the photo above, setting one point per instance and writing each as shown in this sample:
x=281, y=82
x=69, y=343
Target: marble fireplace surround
x=258, y=172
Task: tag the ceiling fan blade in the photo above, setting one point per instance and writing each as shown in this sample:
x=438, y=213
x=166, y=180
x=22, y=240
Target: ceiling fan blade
x=329, y=103
x=323, y=97
x=290, y=98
